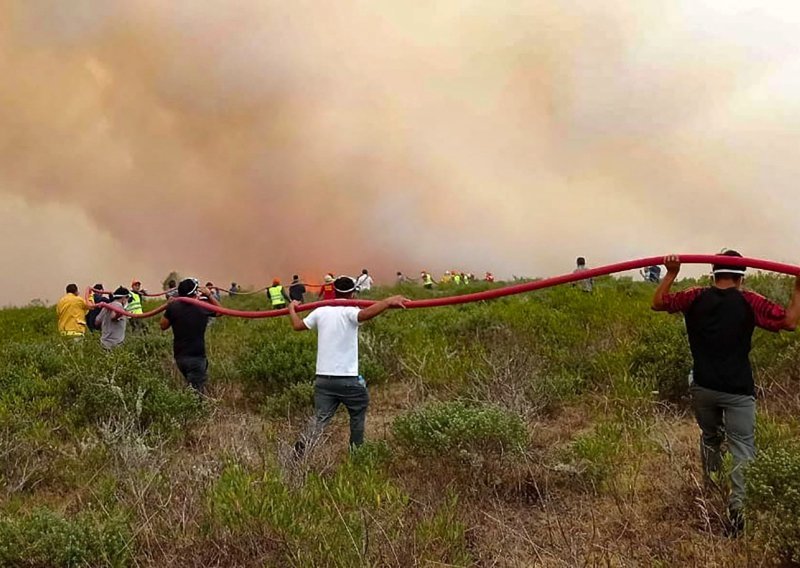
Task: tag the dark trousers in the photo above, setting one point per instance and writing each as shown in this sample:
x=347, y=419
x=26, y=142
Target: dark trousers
x=733, y=416
x=194, y=370
x=329, y=393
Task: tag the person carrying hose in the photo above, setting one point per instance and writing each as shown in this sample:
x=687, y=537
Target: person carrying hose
x=277, y=295
x=135, y=306
x=337, y=376
x=326, y=291
x=71, y=311
x=720, y=320
x=189, y=323
x=113, y=324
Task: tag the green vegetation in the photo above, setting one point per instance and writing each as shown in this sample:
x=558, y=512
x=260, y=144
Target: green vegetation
x=544, y=429
x=773, y=486
x=455, y=428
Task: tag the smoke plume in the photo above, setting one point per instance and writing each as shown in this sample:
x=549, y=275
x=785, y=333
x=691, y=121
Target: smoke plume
x=244, y=139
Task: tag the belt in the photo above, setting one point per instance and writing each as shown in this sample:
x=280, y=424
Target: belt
x=337, y=376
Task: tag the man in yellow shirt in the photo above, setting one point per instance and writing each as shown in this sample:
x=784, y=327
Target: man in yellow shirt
x=71, y=310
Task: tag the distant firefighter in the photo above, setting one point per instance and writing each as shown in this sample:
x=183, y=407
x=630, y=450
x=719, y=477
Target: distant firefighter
x=364, y=281
x=585, y=285
x=297, y=290
x=326, y=292
x=277, y=295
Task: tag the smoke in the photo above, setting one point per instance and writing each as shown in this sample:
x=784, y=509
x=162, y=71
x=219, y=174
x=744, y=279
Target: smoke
x=241, y=139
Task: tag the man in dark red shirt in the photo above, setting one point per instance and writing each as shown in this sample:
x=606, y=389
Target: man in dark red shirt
x=720, y=320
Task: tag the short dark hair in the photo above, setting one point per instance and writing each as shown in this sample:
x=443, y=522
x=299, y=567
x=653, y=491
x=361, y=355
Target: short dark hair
x=187, y=287
x=344, y=286
x=72, y=289
x=295, y=277
x=730, y=271
x=364, y=271
x=581, y=261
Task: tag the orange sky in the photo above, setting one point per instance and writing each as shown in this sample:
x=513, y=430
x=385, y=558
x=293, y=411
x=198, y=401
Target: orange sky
x=242, y=139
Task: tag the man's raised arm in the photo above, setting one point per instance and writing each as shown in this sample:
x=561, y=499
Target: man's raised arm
x=673, y=265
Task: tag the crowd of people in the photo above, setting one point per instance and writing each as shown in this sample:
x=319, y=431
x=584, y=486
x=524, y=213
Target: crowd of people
x=720, y=321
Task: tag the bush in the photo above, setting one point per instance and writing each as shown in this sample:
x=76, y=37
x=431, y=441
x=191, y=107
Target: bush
x=297, y=398
x=277, y=360
x=453, y=428
x=103, y=386
x=43, y=538
x=321, y=523
x=661, y=355
x=598, y=450
x=773, y=499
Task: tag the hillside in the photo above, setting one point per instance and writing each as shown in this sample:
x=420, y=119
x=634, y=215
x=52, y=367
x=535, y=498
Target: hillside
x=547, y=429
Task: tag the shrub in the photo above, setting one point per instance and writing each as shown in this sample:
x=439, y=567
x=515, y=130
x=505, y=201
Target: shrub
x=597, y=451
x=321, y=523
x=661, y=355
x=773, y=499
x=297, y=398
x=275, y=361
x=44, y=538
x=103, y=386
x=450, y=428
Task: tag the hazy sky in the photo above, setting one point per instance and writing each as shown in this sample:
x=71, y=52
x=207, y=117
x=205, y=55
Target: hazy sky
x=242, y=139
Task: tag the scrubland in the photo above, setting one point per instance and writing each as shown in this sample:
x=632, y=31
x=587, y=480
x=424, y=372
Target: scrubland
x=547, y=429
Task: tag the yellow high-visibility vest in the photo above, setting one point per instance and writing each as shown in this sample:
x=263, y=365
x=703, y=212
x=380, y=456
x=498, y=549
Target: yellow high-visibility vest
x=135, y=304
x=276, y=295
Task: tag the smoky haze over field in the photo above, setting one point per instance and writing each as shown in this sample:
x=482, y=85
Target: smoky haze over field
x=241, y=139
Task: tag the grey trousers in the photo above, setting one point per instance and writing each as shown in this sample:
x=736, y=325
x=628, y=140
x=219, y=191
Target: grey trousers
x=329, y=393
x=722, y=415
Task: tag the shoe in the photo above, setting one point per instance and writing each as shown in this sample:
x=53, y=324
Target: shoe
x=735, y=523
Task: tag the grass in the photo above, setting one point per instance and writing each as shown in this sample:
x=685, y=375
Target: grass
x=546, y=429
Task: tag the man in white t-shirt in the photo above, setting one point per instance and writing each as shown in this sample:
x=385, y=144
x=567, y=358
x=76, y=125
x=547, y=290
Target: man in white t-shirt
x=338, y=381
x=364, y=282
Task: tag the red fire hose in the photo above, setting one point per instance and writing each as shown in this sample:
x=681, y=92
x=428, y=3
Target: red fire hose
x=496, y=292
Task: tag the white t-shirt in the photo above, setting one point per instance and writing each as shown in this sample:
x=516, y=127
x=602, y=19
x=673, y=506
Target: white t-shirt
x=337, y=340
x=364, y=282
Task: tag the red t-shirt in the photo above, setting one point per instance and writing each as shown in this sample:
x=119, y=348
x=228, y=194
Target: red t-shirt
x=328, y=293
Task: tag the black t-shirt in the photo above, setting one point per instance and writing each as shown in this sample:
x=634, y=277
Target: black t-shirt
x=296, y=292
x=189, y=324
x=720, y=324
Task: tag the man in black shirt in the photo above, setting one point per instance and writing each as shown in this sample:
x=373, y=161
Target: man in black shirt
x=296, y=290
x=189, y=323
x=720, y=321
